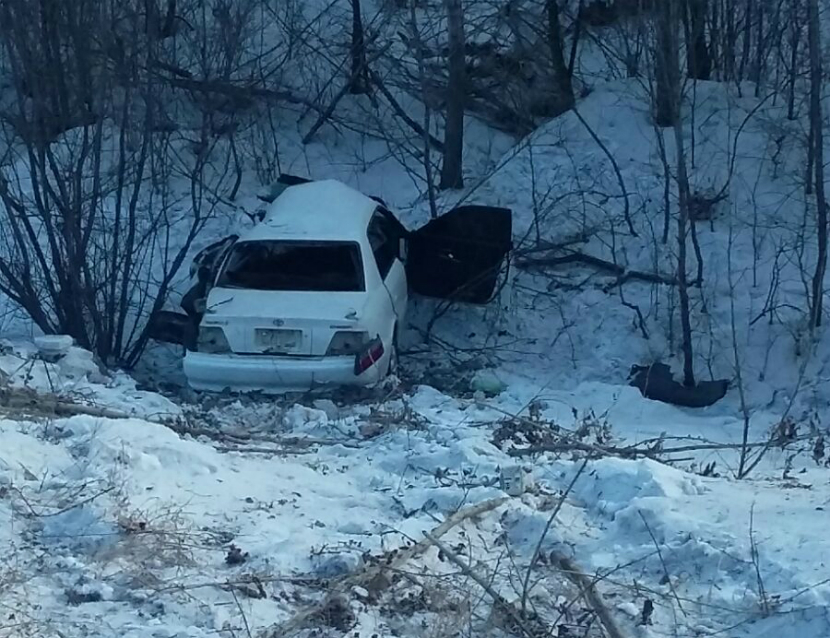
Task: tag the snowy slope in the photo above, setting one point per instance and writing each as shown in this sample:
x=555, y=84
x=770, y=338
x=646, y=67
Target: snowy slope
x=120, y=527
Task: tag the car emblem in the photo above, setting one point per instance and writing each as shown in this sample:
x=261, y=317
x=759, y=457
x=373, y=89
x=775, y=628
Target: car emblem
x=278, y=322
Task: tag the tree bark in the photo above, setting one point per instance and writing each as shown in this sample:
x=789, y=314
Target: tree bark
x=668, y=98
x=682, y=277
x=747, y=38
x=817, y=129
x=795, y=40
x=760, y=46
x=667, y=66
x=561, y=71
x=730, y=35
x=452, y=164
x=359, y=81
x=698, y=58
x=715, y=48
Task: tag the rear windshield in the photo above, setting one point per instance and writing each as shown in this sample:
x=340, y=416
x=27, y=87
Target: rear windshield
x=327, y=266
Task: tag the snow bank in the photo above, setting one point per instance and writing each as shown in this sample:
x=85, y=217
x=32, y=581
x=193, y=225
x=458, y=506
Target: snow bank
x=78, y=378
x=128, y=515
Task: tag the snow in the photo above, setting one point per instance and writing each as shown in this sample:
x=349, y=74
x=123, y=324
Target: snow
x=77, y=377
x=133, y=521
x=325, y=209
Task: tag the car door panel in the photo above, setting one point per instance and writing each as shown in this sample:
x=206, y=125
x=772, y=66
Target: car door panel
x=171, y=327
x=460, y=254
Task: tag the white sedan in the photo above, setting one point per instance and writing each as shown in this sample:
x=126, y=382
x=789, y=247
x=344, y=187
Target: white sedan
x=315, y=294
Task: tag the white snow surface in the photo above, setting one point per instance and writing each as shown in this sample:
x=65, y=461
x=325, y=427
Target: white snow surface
x=122, y=526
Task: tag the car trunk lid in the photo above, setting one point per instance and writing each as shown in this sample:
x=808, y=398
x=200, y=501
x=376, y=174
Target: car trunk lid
x=282, y=323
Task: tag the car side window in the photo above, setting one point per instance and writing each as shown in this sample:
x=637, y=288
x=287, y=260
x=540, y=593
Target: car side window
x=384, y=242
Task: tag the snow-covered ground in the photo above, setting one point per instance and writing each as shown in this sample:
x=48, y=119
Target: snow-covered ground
x=239, y=516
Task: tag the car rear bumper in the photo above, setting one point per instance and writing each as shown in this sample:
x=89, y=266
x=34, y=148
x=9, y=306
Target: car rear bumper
x=255, y=373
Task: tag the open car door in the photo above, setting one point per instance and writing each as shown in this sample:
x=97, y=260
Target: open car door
x=459, y=255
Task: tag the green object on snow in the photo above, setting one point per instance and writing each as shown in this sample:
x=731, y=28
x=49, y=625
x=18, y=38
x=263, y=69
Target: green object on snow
x=487, y=382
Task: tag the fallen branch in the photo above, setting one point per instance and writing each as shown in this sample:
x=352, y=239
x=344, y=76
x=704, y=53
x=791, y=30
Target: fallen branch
x=30, y=401
x=233, y=90
x=498, y=599
x=588, y=590
x=654, y=450
x=537, y=552
x=286, y=445
x=666, y=574
x=252, y=442
x=622, y=273
x=372, y=577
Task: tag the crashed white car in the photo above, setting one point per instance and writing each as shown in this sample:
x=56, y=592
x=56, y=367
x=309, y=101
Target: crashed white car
x=315, y=294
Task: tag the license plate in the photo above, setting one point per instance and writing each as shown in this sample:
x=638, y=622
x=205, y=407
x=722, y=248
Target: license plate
x=278, y=340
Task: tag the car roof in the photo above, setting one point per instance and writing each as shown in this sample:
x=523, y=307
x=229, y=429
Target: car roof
x=327, y=210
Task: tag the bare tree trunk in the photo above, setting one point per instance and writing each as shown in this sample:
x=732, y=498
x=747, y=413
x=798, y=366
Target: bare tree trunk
x=668, y=103
x=715, y=49
x=667, y=66
x=760, y=47
x=730, y=33
x=561, y=71
x=795, y=39
x=452, y=164
x=575, y=45
x=817, y=128
x=682, y=277
x=746, y=42
x=427, y=122
x=359, y=80
x=698, y=59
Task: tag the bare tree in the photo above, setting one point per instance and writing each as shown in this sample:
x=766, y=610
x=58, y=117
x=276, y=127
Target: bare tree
x=794, y=43
x=90, y=237
x=667, y=97
x=452, y=164
x=682, y=277
x=750, y=13
x=698, y=59
x=666, y=66
x=561, y=70
x=816, y=152
x=359, y=80
x=423, y=85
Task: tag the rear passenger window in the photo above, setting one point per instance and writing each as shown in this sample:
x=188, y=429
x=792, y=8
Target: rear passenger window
x=384, y=242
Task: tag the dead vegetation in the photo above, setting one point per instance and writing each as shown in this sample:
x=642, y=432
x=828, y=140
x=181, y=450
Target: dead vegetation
x=443, y=586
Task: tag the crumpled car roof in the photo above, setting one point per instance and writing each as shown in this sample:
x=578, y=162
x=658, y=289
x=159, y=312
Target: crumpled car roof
x=325, y=209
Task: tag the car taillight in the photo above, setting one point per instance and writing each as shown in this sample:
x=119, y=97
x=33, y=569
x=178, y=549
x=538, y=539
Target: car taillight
x=368, y=356
x=212, y=340
x=347, y=342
